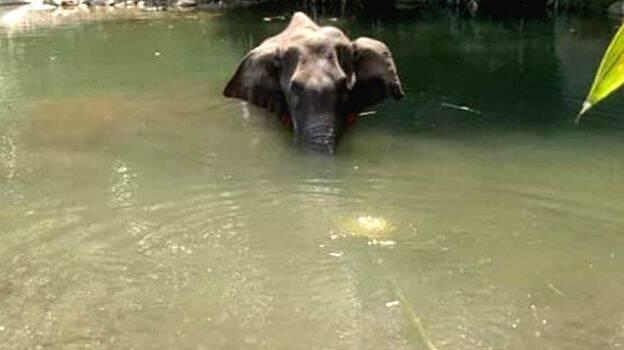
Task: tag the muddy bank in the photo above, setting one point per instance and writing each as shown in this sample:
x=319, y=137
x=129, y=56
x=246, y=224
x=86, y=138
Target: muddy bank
x=146, y=5
x=518, y=7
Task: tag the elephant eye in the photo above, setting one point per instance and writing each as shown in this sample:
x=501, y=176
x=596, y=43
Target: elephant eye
x=296, y=87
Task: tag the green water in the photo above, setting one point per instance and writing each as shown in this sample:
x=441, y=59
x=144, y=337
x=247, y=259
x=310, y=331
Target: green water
x=139, y=209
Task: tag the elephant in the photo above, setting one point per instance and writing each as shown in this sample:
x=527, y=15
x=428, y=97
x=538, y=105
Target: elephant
x=316, y=79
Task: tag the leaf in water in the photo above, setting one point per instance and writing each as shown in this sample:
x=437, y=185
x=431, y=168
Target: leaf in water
x=610, y=75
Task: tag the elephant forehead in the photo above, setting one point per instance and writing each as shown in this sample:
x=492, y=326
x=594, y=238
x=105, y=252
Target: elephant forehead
x=334, y=34
x=319, y=41
x=320, y=71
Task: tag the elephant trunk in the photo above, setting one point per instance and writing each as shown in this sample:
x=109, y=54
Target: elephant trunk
x=321, y=137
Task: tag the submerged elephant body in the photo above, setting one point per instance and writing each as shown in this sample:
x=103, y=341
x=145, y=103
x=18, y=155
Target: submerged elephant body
x=317, y=77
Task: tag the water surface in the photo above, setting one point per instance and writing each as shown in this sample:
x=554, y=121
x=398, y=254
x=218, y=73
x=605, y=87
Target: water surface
x=140, y=209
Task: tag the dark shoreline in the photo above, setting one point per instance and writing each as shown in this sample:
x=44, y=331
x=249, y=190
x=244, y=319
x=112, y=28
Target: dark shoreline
x=367, y=7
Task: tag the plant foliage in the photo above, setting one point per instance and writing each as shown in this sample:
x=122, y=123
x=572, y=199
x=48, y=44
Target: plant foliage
x=610, y=75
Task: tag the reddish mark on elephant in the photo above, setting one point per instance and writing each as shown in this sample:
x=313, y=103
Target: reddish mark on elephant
x=352, y=119
x=286, y=120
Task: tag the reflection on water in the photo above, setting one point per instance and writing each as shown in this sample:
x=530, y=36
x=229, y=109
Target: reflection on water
x=140, y=209
x=9, y=155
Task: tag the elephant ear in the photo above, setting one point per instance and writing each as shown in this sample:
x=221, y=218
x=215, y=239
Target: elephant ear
x=376, y=75
x=257, y=79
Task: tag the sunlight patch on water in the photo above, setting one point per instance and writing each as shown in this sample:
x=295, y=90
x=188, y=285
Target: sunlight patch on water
x=376, y=229
x=372, y=224
x=15, y=16
x=8, y=151
x=123, y=185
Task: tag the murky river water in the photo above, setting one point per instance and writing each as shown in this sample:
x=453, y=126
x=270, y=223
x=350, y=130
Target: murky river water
x=139, y=209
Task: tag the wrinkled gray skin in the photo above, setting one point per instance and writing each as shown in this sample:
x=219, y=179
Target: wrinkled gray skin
x=316, y=76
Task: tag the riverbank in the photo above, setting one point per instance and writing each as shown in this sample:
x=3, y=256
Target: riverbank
x=148, y=5
x=517, y=7
x=29, y=16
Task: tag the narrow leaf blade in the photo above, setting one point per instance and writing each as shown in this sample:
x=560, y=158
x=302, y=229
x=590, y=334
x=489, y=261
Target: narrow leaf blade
x=610, y=74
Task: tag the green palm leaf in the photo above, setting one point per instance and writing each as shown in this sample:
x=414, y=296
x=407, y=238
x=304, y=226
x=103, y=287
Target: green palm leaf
x=610, y=75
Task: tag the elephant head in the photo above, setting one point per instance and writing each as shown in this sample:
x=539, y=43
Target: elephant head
x=316, y=78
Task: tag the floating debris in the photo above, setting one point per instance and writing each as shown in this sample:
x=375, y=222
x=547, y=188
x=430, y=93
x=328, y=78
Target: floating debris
x=334, y=236
x=157, y=54
x=365, y=114
x=416, y=322
x=381, y=243
x=337, y=254
x=393, y=303
x=274, y=18
x=461, y=108
x=556, y=290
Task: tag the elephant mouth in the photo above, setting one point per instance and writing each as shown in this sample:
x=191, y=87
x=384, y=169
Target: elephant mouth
x=322, y=137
